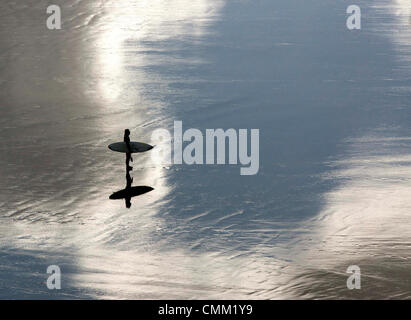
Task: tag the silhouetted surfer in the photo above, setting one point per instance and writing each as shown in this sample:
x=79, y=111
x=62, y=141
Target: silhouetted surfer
x=128, y=154
x=128, y=192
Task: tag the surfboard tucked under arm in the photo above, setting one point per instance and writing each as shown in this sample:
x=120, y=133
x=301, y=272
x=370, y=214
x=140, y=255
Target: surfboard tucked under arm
x=135, y=147
x=130, y=192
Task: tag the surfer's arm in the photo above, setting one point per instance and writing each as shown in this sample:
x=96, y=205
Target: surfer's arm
x=128, y=147
x=127, y=141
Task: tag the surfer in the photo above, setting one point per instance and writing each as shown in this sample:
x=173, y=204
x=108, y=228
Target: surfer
x=128, y=154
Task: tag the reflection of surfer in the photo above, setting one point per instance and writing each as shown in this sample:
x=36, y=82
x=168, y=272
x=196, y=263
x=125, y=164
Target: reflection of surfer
x=128, y=189
x=128, y=153
x=129, y=180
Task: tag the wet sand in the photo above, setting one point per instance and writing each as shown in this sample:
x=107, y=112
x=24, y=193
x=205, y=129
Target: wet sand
x=333, y=189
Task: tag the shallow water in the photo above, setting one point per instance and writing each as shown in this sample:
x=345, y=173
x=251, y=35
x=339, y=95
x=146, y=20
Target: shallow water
x=333, y=188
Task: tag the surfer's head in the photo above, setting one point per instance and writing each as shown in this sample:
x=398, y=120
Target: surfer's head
x=126, y=132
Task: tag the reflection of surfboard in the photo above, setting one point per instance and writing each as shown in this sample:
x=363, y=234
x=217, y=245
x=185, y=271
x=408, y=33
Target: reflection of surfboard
x=135, y=147
x=130, y=192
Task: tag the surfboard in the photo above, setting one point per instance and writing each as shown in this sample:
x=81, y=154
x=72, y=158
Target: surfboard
x=130, y=192
x=135, y=147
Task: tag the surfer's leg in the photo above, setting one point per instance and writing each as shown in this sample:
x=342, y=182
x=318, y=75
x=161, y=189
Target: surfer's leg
x=128, y=156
